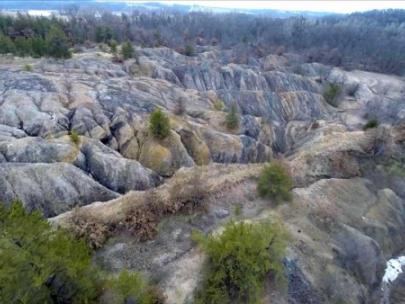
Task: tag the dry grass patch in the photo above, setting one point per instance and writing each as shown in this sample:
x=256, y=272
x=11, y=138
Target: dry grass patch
x=139, y=212
x=142, y=219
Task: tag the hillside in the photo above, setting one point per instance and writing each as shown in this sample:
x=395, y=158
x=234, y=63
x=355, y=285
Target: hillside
x=176, y=155
x=347, y=215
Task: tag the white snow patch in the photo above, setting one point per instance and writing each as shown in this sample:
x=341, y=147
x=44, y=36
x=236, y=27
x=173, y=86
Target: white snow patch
x=393, y=269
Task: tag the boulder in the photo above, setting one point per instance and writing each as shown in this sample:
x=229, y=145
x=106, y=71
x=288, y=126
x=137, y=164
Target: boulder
x=331, y=152
x=360, y=255
x=49, y=188
x=115, y=172
x=165, y=156
x=39, y=150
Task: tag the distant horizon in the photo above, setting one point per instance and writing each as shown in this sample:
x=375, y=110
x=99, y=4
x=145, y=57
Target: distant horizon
x=334, y=6
x=315, y=6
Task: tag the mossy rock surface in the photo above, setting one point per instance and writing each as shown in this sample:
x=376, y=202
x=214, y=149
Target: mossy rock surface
x=165, y=156
x=157, y=158
x=196, y=147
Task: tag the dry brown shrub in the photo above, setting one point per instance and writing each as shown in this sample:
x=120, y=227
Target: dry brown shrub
x=141, y=222
x=84, y=225
x=157, y=204
x=188, y=194
x=142, y=217
x=156, y=294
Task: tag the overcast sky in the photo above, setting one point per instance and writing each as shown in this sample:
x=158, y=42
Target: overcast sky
x=315, y=6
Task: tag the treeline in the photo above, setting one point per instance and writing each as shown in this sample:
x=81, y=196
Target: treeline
x=32, y=36
x=372, y=41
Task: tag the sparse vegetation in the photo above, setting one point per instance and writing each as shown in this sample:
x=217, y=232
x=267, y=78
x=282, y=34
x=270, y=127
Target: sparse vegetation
x=86, y=227
x=74, y=137
x=275, y=182
x=239, y=261
x=331, y=94
x=142, y=219
x=218, y=105
x=187, y=191
x=395, y=167
x=232, y=118
x=189, y=194
x=159, y=124
x=372, y=123
x=28, y=68
x=189, y=50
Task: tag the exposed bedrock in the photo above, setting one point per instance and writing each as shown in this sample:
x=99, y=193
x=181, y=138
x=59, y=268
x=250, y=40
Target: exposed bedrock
x=279, y=100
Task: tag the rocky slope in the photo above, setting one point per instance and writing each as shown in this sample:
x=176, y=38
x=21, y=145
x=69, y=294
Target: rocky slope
x=348, y=213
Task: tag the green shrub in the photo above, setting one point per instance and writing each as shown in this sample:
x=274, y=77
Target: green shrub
x=130, y=287
x=275, y=183
x=394, y=167
x=189, y=50
x=159, y=124
x=39, y=264
x=113, y=46
x=74, y=137
x=28, y=68
x=127, y=50
x=232, y=118
x=219, y=105
x=372, y=123
x=331, y=94
x=239, y=260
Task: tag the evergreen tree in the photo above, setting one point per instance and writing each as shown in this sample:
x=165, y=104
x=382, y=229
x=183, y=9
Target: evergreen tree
x=99, y=34
x=275, y=183
x=103, y=34
x=232, y=118
x=23, y=46
x=39, y=264
x=189, y=50
x=57, y=43
x=38, y=47
x=159, y=124
x=127, y=50
x=113, y=46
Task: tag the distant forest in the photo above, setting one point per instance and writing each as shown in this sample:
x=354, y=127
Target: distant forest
x=372, y=41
